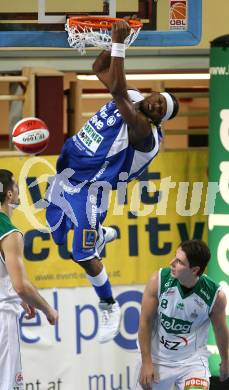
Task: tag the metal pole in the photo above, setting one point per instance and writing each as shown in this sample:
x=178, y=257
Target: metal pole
x=112, y=8
x=42, y=18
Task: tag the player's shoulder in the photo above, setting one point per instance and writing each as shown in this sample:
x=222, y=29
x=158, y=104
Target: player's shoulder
x=166, y=280
x=152, y=285
x=7, y=227
x=208, y=282
x=159, y=279
x=165, y=275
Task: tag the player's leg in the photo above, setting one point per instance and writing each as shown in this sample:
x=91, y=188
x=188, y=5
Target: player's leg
x=10, y=358
x=195, y=377
x=59, y=215
x=88, y=242
x=110, y=314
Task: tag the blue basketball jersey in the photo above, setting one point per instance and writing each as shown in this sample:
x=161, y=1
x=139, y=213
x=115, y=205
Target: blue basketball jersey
x=100, y=151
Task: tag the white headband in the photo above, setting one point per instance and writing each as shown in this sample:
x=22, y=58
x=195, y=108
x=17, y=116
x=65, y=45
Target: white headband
x=170, y=105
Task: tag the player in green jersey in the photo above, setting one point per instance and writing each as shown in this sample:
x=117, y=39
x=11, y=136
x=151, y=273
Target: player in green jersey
x=177, y=307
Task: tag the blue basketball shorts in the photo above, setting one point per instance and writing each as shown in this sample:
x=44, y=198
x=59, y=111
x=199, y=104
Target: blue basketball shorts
x=80, y=207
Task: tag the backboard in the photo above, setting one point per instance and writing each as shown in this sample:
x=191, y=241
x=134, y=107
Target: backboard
x=40, y=23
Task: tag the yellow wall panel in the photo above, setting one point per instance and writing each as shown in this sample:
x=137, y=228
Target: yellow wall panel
x=51, y=6
x=128, y=6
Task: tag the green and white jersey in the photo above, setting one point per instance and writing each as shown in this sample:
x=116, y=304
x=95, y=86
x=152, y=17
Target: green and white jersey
x=9, y=300
x=180, y=329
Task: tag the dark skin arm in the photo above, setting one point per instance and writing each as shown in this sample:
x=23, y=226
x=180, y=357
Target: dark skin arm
x=101, y=67
x=110, y=71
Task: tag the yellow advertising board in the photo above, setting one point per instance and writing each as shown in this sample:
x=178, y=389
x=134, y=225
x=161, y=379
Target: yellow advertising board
x=168, y=205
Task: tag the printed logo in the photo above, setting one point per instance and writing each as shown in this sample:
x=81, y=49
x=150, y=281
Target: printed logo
x=175, y=325
x=196, y=383
x=194, y=314
x=205, y=294
x=89, y=238
x=19, y=378
x=111, y=120
x=180, y=306
x=34, y=137
x=90, y=138
x=170, y=291
x=178, y=15
x=174, y=345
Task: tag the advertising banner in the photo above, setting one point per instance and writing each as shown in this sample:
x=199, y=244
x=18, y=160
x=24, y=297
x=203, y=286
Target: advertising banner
x=68, y=356
x=167, y=205
x=178, y=18
x=219, y=172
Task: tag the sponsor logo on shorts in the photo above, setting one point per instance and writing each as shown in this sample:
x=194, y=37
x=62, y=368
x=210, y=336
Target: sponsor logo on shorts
x=180, y=306
x=167, y=284
x=93, y=212
x=175, y=325
x=19, y=378
x=196, y=383
x=174, y=345
x=89, y=238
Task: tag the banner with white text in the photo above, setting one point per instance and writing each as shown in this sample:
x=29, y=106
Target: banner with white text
x=169, y=203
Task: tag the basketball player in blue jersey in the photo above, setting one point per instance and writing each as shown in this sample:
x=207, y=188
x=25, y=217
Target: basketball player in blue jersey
x=117, y=143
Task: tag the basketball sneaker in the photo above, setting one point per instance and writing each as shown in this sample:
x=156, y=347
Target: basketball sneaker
x=110, y=233
x=109, y=321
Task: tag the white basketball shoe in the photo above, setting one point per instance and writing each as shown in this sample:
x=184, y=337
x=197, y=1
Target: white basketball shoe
x=109, y=321
x=110, y=234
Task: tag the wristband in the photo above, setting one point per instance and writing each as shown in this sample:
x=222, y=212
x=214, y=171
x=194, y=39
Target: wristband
x=118, y=50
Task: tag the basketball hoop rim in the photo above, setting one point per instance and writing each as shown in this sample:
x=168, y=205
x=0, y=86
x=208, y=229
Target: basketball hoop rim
x=102, y=22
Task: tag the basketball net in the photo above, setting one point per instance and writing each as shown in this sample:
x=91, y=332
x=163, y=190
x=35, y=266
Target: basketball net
x=96, y=31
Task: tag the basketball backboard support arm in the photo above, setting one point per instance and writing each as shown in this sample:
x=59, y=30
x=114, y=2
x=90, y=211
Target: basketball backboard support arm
x=58, y=39
x=42, y=18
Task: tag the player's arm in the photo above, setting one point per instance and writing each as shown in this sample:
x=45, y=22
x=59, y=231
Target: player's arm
x=218, y=319
x=101, y=67
x=148, y=311
x=12, y=247
x=115, y=79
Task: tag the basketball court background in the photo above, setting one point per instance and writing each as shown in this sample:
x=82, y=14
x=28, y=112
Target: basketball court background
x=58, y=358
